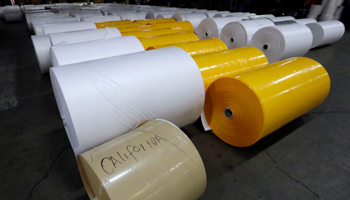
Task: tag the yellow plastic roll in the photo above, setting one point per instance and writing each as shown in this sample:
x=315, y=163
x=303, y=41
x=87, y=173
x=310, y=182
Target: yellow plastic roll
x=227, y=63
x=104, y=24
x=243, y=109
x=146, y=21
x=151, y=32
x=167, y=39
x=137, y=28
x=156, y=160
x=194, y=48
x=184, y=26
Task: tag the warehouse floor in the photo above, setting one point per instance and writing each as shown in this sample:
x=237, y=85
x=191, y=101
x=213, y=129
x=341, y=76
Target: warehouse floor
x=308, y=158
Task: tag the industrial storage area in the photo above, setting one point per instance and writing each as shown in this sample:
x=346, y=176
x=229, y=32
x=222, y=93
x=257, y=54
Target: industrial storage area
x=179, y=100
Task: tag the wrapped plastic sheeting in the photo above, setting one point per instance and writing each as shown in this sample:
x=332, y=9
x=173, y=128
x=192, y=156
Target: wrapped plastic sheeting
x=132, y=15
x=212, y=27
x=326, y=32
x=101, y=18
x=243, y=109
x=316, y=9
x=239, y=34
x=167, y=39
x=194, y=18
x=284, y=41
x=228, y=63
x=306, y=21
x=193, y=48
x=78, y=26
x=184, y=26
x=144, y=158
x=146, y=33
x=81, y=52
x=83, y=36
x=42, y=44
x=152, y=21
x=105, y=102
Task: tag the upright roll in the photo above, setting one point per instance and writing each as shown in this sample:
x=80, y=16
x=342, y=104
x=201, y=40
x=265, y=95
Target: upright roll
x=146, y=158
x=81, y=52
x=312, y=16
x=167, y=39
x=329, y=10
x=326, y=32
x=316, y=9
x=283, y=41
x=306, y=21
x=326, y=18
x=245, y=108
x=227, y=63
x=211, y=27
x=152, y=32
x=239, y=34
x=194, y=18
x=77, y=26
x=106, y=99
x=83, y=36
x=199, y=47
x=184, y=26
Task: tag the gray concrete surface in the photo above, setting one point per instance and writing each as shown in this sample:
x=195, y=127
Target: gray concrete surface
x=306, y=159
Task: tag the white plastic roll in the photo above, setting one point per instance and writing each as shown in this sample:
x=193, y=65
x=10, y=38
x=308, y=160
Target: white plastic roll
x=211, y=14
x=164, y=15
x=284, y=41
x=324, y=2
x=132, y=15
x=41, y=44
x=337, y=17
x=326, y=18
x=83, y=36
x=262, y=16
x=93, y=50
x=12, y=15
x=239, y=34
x=339, y=2
x=38, y=28
x=330, y=10
x=102, y=18
x=306, y=21
x=211, y=27
x=283, y=18
x=326, y=32
x=153, y=14
x=194, y=18
x=312, y=16
x=113, y=95
x=331, y=2
x=222, y=15
x=339, y=11
x=78, y=26
x=316, y=9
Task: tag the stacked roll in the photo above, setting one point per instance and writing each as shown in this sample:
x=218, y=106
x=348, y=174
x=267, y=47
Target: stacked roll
x=167, y=39
x=326, y=32
x=315, y=11
x=212, y=27
x=194, y=18
x=150, y=32
x=243, y=109
x=102, y=18
x=77, y=26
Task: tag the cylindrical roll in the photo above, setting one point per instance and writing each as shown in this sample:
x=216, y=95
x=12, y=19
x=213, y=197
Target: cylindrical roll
x=102, y=18
x=199, y=47
x=339, y=11
x=112, y=95
x=223, y=15
x=324, y=2
x=280, y=19
x=331, y=2
x=316, y=9
x=339, y=2
x=211, y=14
x=164, y=15
x=42, y=44
x=137, y=28
x=167, y=39
x=306, y=21
x=38, y=28
x=326, y=18
x=194, y=18
x=77, y=26
x=151, y=21
x=184, y=26
x=154, y=32
x=81, y=52
x=227, y=63
x=284, y=41
x=262, y=16
x=105, y=24
x=239, y=34
x=145, y=158
x=83, y=36
x=326, y=32
x=329, y=10
x=211, y=27
x=312, y=16
x=245, y=108
x=132, y=15
x=153, y=14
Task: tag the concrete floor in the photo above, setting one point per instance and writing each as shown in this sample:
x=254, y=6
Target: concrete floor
x=308, y=158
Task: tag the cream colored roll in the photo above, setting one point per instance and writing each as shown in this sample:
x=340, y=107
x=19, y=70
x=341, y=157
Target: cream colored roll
x=112, y=95
x=326, y=18
x=42, y=44
x=83, y=36
x=78, y=26
x=145, y=158
x=306, y=21
x=326, y=32
x=194, y=18
x=239, y=34
x=132, y=15
x=316, y=9
x=284, y=41
x=211, y=27
x=330, y=10
x=81, y=52
x=102, y=18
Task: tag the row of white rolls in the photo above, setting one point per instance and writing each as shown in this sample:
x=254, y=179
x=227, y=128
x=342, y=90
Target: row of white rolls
x=327, y=11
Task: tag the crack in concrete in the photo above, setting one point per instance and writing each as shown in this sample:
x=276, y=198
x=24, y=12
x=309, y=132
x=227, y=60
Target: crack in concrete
x=327, y=112
x=47, y=173
x=286, y=173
